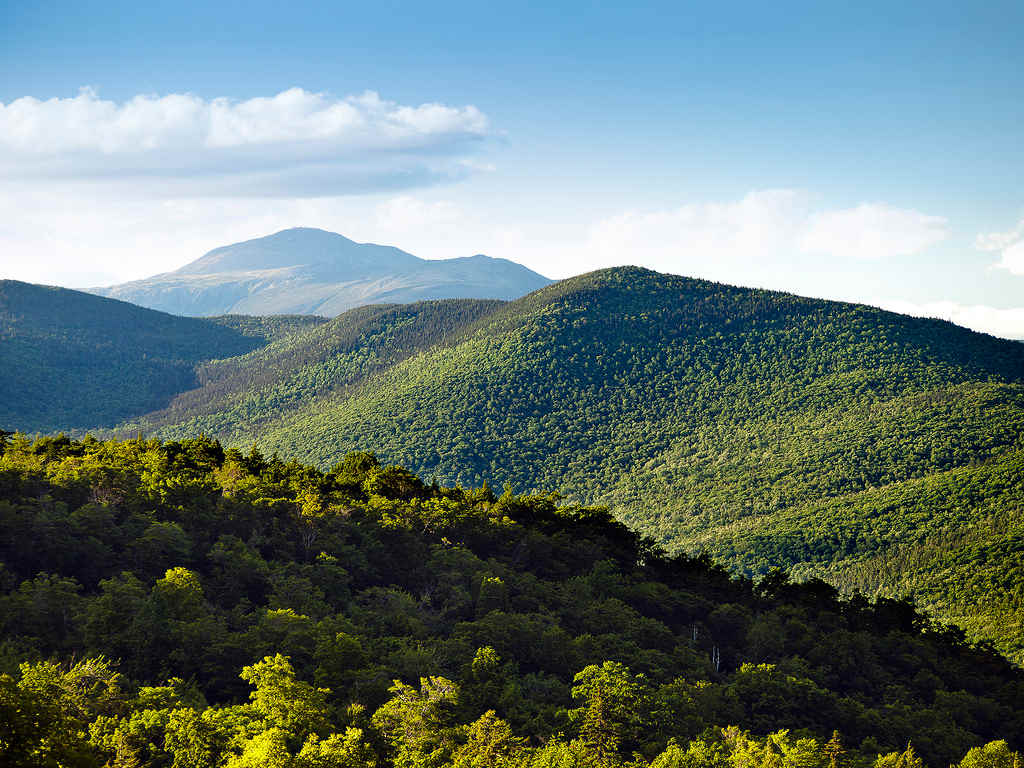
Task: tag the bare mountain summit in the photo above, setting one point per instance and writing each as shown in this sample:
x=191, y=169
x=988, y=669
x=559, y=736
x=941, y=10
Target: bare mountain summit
x=313, y=272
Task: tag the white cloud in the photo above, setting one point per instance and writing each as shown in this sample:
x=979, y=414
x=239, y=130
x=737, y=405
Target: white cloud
x=1007, y=323
x=295, y=143
x=1012, y=258
x=95, y=191
x=998, y=241
x=697, y=238
x=872, y=231
x=1009, y=244
x=768, y=238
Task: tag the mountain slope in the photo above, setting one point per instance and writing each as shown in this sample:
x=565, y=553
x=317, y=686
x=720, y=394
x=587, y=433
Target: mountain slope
x=879, y=451
x=711, y=417
x=76, y=360
x=294, y=374
x=310, y=271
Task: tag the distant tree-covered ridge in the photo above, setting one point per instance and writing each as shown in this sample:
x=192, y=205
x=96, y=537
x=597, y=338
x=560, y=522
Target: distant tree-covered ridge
x=767, y=429
x=179, y=604
x=73, y=360
x=298, y=373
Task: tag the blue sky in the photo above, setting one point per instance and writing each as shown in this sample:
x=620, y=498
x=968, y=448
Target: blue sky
x=867, y=153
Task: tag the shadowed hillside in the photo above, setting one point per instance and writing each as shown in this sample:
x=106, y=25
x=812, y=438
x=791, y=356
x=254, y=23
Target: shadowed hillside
x=74, y=360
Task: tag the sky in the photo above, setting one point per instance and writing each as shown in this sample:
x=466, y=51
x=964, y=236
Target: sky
x=865, y=152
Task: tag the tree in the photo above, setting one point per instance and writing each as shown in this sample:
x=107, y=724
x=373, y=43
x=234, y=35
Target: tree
x=995, y=754
x=268, y=749
x=906, y=759
x=295, y=707
x=615, y=706
x=419, y=724
x=45, y=716
x=178, y=595
x=491, y=744
x=834, y=750
x=348, y=750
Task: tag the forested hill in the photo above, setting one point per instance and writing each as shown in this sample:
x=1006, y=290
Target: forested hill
x=879, y=450
x=74, y=360
x=176, y=604
x=299, y=373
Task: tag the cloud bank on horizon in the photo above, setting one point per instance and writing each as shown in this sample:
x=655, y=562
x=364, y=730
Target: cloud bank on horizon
x=96, y=191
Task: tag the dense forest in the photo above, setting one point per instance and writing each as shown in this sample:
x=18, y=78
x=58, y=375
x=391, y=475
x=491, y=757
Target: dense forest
x=877, y=451
x=299, y=372
x=179, y=604
x=763, y=428
x=83, y=361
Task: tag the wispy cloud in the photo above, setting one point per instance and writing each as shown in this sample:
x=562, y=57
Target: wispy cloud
x=406, y=215
x=699, y=236
x=872, y=231
x=293, y=143
x=1009, y=245
x=764, y=232
x=997, y=241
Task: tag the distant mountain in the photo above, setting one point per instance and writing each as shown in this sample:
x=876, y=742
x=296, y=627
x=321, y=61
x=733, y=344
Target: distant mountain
x=313, y=272
x=74, y=360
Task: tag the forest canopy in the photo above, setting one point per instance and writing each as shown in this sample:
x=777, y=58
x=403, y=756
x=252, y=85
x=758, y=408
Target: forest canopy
x=180, y=604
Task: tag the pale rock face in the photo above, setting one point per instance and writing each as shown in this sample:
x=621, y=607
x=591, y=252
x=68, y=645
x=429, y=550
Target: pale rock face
x=313, y=272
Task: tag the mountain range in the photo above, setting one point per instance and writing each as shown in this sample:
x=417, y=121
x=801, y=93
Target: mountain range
x=312, y=272
x=881, y=452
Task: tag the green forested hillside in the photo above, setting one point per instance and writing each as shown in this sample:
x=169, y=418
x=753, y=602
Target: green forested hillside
x=182, y=605
x=73, y=360
x=878, y=451
x=765, y=428
x=295, y=373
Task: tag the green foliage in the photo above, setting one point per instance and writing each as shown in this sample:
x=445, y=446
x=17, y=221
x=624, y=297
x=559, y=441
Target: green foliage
x=348, y=750
x=490, y=743
x=239, y=395
x=612, y=700
x=995, y=754
x=419, y=725
x=880, y=452
x=539, y=634
x=283, y=701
